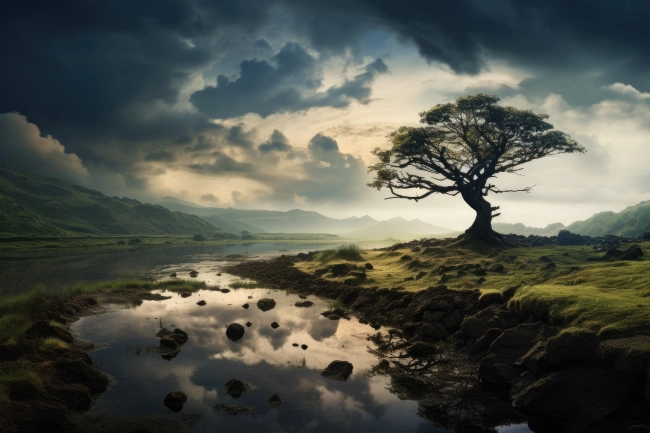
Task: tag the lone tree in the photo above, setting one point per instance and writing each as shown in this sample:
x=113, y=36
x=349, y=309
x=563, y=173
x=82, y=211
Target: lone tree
x=463, y=146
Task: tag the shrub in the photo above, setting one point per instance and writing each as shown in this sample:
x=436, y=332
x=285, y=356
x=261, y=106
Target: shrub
x=198, y=238
x=344, y=252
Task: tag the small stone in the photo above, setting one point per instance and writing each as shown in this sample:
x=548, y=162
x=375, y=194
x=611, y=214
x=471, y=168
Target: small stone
x=173, y=275
x=369, y=266
x=304, y=304
x=266, y=304
x=302, y=296
x=249, y=324
x=295, y=344
x=338, y=370
x=304, y=347
x=245, y=306
x=186, y=295
x=175, y=400
x=275, y=325
x=235, y=331
x=201, y=303
x=235, y=388
x=275, y=400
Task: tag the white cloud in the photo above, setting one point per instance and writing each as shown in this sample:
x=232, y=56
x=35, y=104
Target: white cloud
x=23, y=146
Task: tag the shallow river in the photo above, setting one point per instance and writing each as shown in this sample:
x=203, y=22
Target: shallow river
x=265, y=358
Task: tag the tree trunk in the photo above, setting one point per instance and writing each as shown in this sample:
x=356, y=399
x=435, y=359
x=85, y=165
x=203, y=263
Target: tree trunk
x=481, y=229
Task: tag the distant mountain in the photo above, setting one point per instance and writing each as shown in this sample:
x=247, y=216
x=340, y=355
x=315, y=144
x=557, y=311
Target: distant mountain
x=520, y=229
x=261, y=221
x=34, y=206
x=397, y=228
x=630, y=222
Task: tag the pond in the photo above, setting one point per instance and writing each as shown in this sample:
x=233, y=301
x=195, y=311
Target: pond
x=269, y=360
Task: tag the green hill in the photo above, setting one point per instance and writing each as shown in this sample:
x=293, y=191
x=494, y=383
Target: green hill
x=630, y=222
x=34, y=206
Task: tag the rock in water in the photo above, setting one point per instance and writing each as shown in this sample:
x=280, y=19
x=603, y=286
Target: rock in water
x=245, y=306
x=201, y=303
x=249, y=324
x=186, y=295
x=338, y=370
x=304, y=304
x=235, y=331
x=235, y=388
x=175, y=400
x=275, y=325
x=304, y=347
x=194, y=274
x=275, y=400
x=266, y=304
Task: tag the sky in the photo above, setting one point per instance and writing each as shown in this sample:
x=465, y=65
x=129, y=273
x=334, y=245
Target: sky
x=277, y=104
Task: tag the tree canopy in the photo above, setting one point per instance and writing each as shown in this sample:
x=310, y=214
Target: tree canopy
x=464, y=145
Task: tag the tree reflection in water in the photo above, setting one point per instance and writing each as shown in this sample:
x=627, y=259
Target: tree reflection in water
x=443, y=383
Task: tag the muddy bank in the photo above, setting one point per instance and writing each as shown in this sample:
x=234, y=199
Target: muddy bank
x=558, y=380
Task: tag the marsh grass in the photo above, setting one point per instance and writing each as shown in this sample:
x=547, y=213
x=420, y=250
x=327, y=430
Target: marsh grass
x=349, y=252
x=132, y=285
x=610, y=298
x=51, y=344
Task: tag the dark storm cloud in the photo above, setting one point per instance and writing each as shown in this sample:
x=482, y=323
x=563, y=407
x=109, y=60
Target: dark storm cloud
x=160, y=156
x=288, y=82
x=221, y=164
x=110, y=79
x=322, y=143
x=276, y=143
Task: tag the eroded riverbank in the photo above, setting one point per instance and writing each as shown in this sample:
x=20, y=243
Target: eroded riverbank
x=561, y=381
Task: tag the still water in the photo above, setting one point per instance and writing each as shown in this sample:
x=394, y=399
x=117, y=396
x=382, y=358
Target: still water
x=22, y=270
x=265, y=358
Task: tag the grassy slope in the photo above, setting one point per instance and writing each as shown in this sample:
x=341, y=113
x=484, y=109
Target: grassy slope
x=629, y=222
x=610, y=298
x=34, y=206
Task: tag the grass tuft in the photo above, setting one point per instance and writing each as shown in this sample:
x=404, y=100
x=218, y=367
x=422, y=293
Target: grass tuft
x=344, y=252
x=50, y=344
x=336, y=304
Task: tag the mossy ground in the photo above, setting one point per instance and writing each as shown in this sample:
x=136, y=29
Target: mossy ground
x=17, y=315
x=610, y=298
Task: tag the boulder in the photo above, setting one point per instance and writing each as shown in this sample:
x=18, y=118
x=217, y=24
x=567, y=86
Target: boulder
x=577, y=396
x=169, y=344
x=478, y=324
x=342, y=269
x=235, y=331
x=498, y=369
x=489, y=298
x=235, y=388
x=338, y=370
x=175, y=400
x=266, y=304
x=433, y=332
x=369, y=266
x=453, y=320
x=433, y=316
x=572, y=347
x=275, y=400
